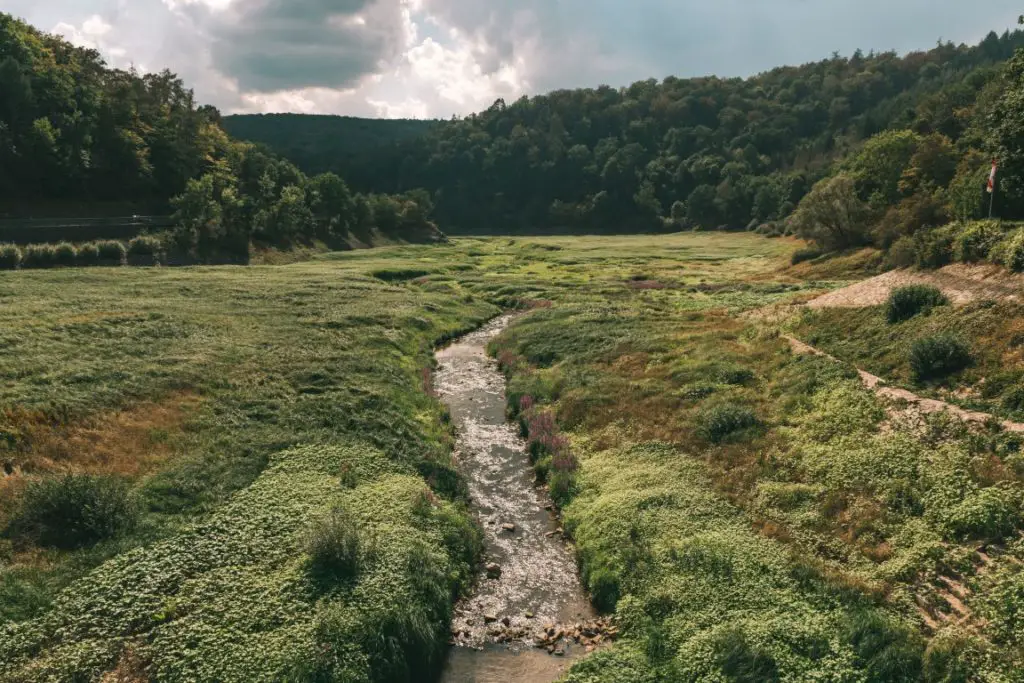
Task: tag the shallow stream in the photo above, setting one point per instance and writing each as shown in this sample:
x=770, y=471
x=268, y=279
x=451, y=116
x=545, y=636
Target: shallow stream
x=532, y=582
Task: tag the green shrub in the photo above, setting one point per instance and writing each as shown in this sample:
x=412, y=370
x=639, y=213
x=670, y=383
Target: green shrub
x=64, y=254
x=951, y=658
x=974, y=243
x=991, y=513
x=1010, y=252
x=906, y=302
x=721, y=422
x=112, y=252
x=887, y=651
x=39, y=256
x=10, y=256
x=736, y=375
x=333, y=546
x=805, y=254
x=1013, y=399
x=88, y=254
x=937, y=356
x=740, y=660
x=144, y=245
x=603, y=585
x=73, y=511
x=934, y=248
x=902, y=253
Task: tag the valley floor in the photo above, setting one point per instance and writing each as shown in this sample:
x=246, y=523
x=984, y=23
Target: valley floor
x=746, y=513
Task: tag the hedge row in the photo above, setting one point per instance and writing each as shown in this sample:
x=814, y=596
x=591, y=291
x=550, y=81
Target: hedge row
x=997, y=242
x=142, y=250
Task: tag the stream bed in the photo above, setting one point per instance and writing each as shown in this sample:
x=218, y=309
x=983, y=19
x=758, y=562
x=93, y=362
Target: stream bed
x=529, y=584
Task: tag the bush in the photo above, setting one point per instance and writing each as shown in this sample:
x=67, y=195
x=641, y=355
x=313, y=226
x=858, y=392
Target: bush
x=740, y=660
x=902, y=253
x=333, y=546
x=805, y=254
x=1010, y=252
x=886, y=650
x=937, y=356
x=906, y=302
x=10, y=256
x=951, y=657
x=39, y=256
x=974, y=243
x=144, y=248
x=718, y=423
x=934, y=248
x=991, y=513
x=112, y=252
x=74, y=511
x=64, y=254
x=88, y=254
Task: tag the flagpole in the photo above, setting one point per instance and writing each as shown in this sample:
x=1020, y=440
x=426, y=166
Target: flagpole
x=992, y=189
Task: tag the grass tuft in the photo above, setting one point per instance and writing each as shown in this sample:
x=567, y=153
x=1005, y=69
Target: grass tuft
x=906, y=302
x=73, y=511
x=938, y=356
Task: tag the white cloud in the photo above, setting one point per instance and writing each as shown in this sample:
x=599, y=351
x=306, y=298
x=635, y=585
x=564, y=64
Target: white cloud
x=92, y=34
x=438, y=57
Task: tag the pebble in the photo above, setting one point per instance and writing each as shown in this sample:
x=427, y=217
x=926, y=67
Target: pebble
x=490, y=618
x=493, y=570
x=509, y=527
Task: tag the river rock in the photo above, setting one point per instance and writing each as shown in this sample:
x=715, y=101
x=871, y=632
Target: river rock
x=490, y=618
x=493, y=570
x=509, y=527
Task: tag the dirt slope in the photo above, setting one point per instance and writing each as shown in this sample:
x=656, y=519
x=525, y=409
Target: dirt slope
x=962, y=283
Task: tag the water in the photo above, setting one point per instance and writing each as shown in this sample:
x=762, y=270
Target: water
x=538, y=583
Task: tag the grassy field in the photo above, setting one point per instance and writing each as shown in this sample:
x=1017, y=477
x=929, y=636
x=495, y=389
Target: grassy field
x=749, y=515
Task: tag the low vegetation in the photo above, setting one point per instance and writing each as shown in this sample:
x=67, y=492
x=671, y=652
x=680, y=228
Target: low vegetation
x=906, y=302
x=937, y=356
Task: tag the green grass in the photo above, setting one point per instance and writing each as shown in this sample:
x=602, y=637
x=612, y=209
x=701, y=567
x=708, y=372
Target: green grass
x=993, y=332
x=302, y=372
x=305, y=521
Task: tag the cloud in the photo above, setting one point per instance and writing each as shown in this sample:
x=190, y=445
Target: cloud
x=273, y=45
x=439, y=57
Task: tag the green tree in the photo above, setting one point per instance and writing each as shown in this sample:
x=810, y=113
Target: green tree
x=833, y=215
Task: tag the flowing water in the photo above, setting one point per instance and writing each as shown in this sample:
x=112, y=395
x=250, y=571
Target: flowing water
x=535, y=583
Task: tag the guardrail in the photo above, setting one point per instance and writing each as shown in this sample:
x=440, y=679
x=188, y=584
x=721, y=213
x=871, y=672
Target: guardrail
x=30, y=230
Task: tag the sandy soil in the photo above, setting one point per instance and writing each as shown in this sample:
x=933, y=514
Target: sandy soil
x=962, y=283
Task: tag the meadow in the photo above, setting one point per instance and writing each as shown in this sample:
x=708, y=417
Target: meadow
x=290, y=509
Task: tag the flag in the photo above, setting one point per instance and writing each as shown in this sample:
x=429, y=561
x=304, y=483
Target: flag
x=992, y=178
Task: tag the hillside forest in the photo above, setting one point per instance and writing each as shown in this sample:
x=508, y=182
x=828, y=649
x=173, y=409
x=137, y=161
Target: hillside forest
x=74, y=133
x=904, y=141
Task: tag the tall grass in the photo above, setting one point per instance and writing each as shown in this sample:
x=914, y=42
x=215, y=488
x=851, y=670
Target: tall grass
x=73, y=511
x=906, y=302
x=10, y=256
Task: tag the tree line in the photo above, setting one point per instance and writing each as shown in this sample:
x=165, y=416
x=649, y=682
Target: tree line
x=680, y=153
x=73, y=131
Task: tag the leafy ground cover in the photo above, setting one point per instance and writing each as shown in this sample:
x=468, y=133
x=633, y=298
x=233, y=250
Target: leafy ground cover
x=747, y=514
x=991, y=331
x=249, y=396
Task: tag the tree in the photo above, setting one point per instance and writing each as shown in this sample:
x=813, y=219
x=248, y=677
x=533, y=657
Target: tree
x=879, y=165
x=833, y=215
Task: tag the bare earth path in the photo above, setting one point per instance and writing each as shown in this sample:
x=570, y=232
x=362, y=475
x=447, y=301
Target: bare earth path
x=532, y=582
x=962, y=283
x=925, y=405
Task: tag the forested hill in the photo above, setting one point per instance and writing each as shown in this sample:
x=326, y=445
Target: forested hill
x=705, y=152
x=317, y=144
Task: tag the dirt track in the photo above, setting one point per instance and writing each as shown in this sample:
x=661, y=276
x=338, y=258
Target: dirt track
x=924, y=405
x=962, y=283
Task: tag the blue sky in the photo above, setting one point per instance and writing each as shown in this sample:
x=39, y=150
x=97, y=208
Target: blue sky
x=435, y=58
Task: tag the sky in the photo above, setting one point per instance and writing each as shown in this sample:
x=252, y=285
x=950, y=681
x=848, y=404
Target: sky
x=438, y=58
